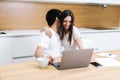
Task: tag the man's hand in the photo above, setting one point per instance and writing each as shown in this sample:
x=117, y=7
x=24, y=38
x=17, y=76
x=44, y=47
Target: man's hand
x=51, y=59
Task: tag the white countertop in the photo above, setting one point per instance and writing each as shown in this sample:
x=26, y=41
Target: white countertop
x=14, y=33
x=20, y=33
x=87, y=30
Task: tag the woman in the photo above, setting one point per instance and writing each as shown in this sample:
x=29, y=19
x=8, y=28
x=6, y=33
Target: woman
x=69, y=34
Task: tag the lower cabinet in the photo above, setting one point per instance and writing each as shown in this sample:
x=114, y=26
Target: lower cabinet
x=17, y=48
x=91, y=39
x=5, y=50
x=104, y=41
x=23, y=59
x=109, y=41
x=24, y=47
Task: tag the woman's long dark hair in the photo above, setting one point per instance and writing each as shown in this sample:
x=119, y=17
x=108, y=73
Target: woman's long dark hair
x=61, y=30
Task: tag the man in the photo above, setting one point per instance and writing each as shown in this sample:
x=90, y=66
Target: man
x=50, y=47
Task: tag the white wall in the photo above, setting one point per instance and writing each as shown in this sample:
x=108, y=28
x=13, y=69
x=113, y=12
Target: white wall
x=112, y=2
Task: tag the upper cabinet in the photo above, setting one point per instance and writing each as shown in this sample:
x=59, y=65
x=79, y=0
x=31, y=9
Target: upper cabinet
x=109, y=2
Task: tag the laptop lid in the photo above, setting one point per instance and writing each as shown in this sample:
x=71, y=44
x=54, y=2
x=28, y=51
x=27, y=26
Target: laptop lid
x=74, y=59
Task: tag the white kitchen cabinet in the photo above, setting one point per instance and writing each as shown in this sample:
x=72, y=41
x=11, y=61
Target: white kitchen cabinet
x=92, y=40
x=18, y=47
x=109, y=41
x=5, y=50
x=104, y=40
x=24, y=47
x=23, y=59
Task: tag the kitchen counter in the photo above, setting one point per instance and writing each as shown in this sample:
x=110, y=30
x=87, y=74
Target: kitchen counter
x=20, y=44
x=105, y=39
x=13, y=33
x=87, y=30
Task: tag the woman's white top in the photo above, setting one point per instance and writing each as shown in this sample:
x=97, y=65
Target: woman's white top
x=76, y=35
x=52, y=45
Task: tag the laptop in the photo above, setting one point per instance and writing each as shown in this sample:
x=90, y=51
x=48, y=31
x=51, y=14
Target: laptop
x=74, y=59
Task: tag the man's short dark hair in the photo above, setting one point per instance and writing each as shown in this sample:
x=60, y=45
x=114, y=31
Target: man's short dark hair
x=51, y=16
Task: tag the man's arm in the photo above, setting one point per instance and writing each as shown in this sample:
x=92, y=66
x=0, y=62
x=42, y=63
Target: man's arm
x=39, y=51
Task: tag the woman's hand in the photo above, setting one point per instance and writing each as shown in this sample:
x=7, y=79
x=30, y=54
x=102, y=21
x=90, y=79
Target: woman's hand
x=48, y=32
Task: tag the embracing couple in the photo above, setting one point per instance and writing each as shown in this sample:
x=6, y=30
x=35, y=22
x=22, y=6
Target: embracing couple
x=60, y=34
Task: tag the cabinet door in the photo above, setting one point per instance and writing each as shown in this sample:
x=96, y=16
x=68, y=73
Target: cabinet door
x=23, y=59
x=92, y=39
x=5, y=50
x=24, y=46
x=109, y=41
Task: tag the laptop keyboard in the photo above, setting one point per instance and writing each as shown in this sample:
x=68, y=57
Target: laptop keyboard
x=58, y=65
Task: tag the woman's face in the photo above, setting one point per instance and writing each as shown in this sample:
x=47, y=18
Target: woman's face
x=67, y=22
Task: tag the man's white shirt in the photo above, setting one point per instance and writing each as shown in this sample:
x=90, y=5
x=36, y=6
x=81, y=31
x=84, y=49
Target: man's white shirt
x=52, y=45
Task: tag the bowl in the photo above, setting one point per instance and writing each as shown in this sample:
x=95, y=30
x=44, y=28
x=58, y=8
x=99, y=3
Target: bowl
x=43, y=62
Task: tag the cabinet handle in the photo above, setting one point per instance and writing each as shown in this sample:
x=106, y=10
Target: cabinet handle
x=96, y=49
